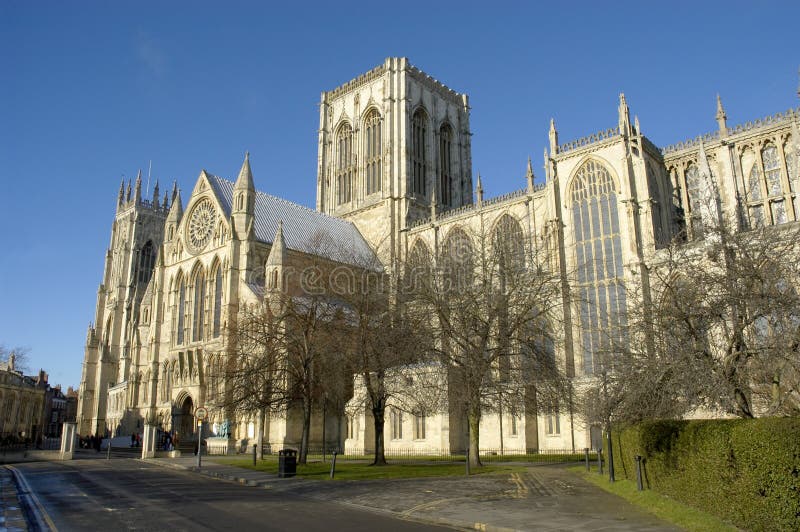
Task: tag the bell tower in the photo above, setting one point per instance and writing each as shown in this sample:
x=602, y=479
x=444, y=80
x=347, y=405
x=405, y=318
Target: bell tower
x=394, y=144
x=136, y=237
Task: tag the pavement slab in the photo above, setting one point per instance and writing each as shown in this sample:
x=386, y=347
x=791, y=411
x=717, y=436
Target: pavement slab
x=12, y=517
x=541, y=497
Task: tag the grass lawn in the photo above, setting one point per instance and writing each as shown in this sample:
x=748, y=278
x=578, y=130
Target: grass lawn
x=364, y=471
x=664, y=507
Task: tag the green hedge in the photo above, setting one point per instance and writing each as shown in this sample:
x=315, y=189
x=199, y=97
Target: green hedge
x=744, y=471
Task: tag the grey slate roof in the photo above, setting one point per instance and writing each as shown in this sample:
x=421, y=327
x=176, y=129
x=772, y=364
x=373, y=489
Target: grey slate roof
x=304, y=229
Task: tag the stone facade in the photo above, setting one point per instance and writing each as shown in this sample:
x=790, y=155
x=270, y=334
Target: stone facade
x=394, y=172
x=22, y=404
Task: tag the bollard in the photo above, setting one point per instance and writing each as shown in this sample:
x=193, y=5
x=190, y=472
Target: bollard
x=586, y=457
x=467, y=462
x=639, y=472
x=333, y=464
x=255, y=445
x=600, y=460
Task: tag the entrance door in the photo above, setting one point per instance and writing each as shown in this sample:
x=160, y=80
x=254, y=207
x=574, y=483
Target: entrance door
x=186, y=423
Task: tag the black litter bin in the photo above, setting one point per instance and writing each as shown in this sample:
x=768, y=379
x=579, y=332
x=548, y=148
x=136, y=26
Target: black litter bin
x=287, y=463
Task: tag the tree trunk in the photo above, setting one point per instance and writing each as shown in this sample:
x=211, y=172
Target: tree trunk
x=474, y=436
x=743, y=409
x=306, y=428
x=378, y=415
x=260, y=433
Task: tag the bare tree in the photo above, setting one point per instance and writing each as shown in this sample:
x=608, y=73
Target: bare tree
x=385, y=346
x=493, y=304
x=18, y=354
x=722, y=332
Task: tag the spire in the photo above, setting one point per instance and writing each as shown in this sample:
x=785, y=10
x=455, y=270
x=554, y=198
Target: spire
x=624, y=115
x=155, y=195
x=553, y=137
x=174, y=191
x=165, y=201
x=245, y=179
x=546, y=165
x=529, y=176
x=176, y=211
x=121, y=192
x=138, y=190
x=128, y=191
x=721, y=118
x=275, y=262
x=636, y=125
x=479, y=190
x=277, y=254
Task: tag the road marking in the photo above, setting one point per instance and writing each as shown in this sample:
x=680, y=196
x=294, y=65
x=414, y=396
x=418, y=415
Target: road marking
x=30, y=493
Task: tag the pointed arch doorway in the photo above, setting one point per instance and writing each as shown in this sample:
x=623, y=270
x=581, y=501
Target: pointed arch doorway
x=184, y=422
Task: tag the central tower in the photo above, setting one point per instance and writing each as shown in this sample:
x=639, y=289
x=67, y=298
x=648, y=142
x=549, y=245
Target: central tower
x=394, y=144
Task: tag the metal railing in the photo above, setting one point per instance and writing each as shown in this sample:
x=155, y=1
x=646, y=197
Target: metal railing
x=417, y=455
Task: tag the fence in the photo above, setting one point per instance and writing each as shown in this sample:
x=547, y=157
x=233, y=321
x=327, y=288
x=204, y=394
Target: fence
x=11, y=444
x=416, y=455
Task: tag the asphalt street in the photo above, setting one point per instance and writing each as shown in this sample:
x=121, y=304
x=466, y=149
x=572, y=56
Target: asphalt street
x=124, y=494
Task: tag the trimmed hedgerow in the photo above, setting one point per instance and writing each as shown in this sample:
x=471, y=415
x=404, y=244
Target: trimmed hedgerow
x=744, y=471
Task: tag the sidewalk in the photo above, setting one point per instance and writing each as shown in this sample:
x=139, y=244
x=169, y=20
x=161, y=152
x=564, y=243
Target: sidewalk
x=12, y=517
x=543, y=497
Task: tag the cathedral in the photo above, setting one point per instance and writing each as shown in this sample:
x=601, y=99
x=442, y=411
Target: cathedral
x=394, y=179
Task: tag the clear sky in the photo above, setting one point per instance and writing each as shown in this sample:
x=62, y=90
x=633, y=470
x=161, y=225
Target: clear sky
x=92, y=92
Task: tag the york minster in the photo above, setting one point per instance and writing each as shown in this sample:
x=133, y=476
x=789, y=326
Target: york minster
x=395, y=182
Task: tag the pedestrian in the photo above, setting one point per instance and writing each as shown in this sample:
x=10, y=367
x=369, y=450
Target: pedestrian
x=133, y=439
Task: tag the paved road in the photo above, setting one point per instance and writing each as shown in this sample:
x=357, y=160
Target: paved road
x=127, y=494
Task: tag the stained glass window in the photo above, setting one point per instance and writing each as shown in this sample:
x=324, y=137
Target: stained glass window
x=598, y=252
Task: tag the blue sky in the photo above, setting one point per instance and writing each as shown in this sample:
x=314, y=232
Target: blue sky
x=91, y=92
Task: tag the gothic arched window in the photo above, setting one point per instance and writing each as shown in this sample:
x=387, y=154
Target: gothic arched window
x=217, y=301
x=345, y=164
x=508, y=244
x=418, y=267
x=598, y=254
x=181, y=309
x=199, y=306
x=445, y=165
x=419, y=130
x=457, y=260
x=147, y=261
x=772, y=173
x=693, y=191
x=372, y=160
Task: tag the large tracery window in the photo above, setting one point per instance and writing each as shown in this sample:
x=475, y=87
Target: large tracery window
x=217, y=301
x=598, y=253
x=419, y=128
x=199, y=306
x=345, y=164
x=372, y=128
x=445, y=165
